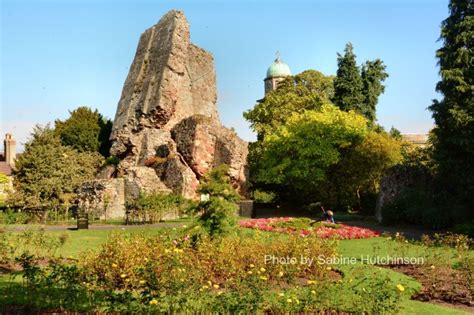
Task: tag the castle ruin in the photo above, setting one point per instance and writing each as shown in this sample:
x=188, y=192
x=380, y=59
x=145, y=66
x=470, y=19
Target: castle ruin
x=166, y=133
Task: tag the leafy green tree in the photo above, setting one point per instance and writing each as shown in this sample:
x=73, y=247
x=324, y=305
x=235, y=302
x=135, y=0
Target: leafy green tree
x=453, y=135
x=86, y=131
x=361, y=167
x=305, y=91
x=373, y=74
x=48, y=173
x=327, y=155
x=348, y=84
x=219, y=212
x=297, y=156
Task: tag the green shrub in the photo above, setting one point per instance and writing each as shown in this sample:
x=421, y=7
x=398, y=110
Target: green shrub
x=261, y=196
x=112, y=160
x=219, y=216
x=30, y=242
x=219, y=213
x=303, y=224
x=15, y=217
x=153, y=207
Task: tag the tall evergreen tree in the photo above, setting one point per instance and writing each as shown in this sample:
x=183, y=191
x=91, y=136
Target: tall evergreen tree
x=454, y=112
x=85, y=130
x=348, y=84
x=48, y=173
x=373, y=74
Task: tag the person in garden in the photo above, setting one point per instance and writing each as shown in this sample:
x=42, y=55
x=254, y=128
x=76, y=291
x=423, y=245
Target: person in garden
x=329, y=215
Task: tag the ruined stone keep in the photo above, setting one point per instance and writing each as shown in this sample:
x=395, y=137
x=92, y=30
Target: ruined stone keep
x=166, y=133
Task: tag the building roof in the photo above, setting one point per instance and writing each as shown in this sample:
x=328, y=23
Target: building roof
x=278, y=69
x=416, y=138
x=5, y=168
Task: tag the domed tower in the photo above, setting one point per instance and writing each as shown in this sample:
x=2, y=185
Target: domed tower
x=276, y=73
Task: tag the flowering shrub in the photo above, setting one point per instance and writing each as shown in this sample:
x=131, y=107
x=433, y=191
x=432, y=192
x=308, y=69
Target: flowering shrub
x=321, y=229
x=169, y=273
x=167, y=263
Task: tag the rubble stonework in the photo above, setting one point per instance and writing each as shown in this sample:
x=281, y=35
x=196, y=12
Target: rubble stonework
x=395, y=181
x=166, y=131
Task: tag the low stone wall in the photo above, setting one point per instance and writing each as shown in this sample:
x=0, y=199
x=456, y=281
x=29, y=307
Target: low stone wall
x=395, y=181
x=103, y=198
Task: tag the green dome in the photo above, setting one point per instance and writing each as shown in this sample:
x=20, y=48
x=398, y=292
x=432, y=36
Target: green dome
x=278, y=69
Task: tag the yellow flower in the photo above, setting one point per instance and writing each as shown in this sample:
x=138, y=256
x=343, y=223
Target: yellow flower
x=142, y=282
x=400, y=287
x=289, y=301
x=311, y=282
x=432, y=267
x=114, y=265
x=154, y=302
x=249, y=272
x=184, y=226
x=313, y=292
x=263, y=269
x=280, y=274
x=263, y=278
x=216, y=286
x=281, y=294
x=350, y=280
x=219, y=292
x=123, y=275
x=252, y=265
x=209, y=282
x=167, y=251
x=328, y=268
x=205, y=287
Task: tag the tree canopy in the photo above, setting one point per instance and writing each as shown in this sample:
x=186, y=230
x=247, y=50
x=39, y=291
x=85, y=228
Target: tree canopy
x=453, y=135
x=372, y=74
x=85, y=130
x=357, y=88
x=327, y=155
x=348, y=83
x=48, y=172
x=305, y=91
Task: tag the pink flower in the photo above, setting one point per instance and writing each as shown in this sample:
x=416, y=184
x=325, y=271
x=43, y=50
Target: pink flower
x=342, y=232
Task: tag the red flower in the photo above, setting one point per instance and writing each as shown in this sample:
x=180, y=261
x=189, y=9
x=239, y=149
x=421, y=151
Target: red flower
x=341, y=232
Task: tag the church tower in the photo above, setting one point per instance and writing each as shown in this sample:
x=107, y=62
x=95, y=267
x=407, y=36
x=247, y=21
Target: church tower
x=276, y=73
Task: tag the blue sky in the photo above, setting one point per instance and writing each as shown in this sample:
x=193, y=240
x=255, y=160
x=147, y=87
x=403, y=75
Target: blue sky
x=58, y=55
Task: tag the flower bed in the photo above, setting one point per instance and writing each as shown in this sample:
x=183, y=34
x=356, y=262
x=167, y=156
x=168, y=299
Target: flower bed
x=305, y=227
